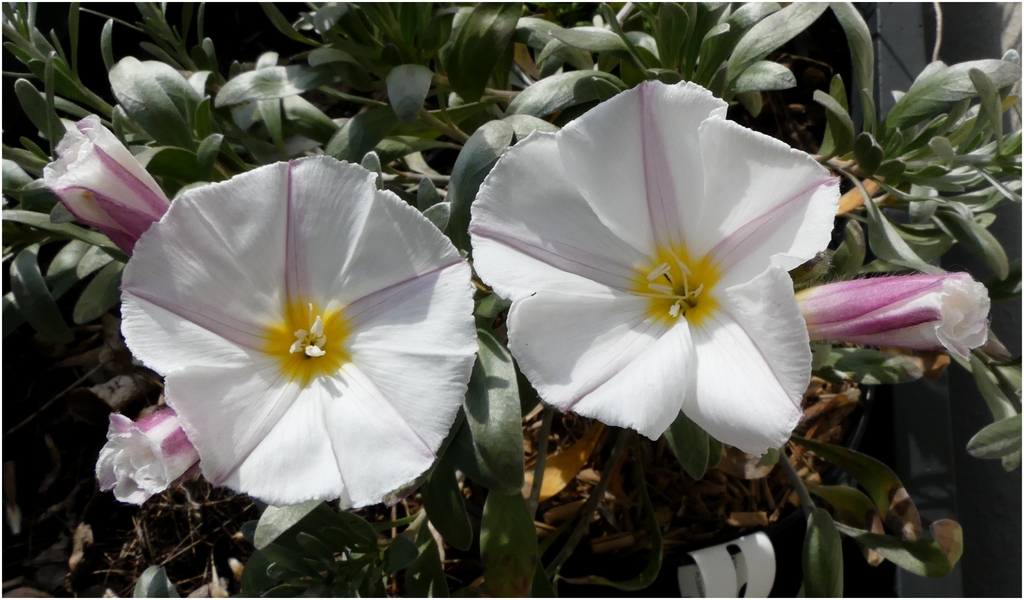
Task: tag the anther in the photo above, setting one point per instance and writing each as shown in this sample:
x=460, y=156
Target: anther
x=310, y=342
x=658, y=272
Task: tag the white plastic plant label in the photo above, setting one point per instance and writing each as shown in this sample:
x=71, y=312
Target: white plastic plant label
x=746, y=565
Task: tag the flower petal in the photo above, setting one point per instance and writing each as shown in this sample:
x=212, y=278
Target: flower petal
x=753, y=365
x=377, y=450
x=296, y=460
x=340, y=438
x=647, y=394
x=228, y=412
x=766, y=203
x=347, y=240
x=532, y=230
x=215, y=261
x=416, y=343
x=602, y=356
x=635, y=160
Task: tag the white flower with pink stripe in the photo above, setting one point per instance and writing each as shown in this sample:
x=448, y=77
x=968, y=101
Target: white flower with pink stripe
x=315, y=333
x=102, y=184
x=645, y=247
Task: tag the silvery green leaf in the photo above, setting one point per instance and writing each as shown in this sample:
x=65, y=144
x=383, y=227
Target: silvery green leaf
x=361, y=133
x=997, y=440
x=591, y=39
x=765, y=76
x=524, y=125
x=770, y=33
x=488, y=447
x=102, y=294
x=474, y=162
x=690, y=445
x=445, y=505
x=273, y=82
x=939, y=87
x=33, y=298
x=281, y=23
x=478, y=45
x=408, y=86
x=153, y=583
x=561, y=91
x=858, y=38
x=439, y=214
x=426, y=194
x=990, y=102
x=158, y=98
x=977, y=239
x=822, y=557
x=868, y=153
x=276, y=520
x=840, y=125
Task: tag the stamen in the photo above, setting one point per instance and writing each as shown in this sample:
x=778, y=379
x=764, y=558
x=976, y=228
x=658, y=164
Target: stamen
x=673, y=311
x=664, y=289
x=662, y=269
x=310, y=342
x=696, y=292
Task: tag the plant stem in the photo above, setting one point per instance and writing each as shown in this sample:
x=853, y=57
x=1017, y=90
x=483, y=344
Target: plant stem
x=622, y=438
x=451, y=131
x=801, y=490
x=542, y=459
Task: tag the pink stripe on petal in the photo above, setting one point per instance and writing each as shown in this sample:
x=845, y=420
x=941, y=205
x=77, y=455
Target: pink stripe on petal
x=129, y=219
x=874, y=323
x=156, y=203
x=563, y=257
x=737, y=244
x=294, y=266
x=847, y=300
x=156, y=419
x=236, y=331
x=662, y=204
x=177, y=445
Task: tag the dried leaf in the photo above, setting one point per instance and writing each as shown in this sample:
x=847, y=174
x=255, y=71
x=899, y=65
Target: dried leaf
x=745, y=466
x=561, y=468
x=853, y=199
x=82, y=540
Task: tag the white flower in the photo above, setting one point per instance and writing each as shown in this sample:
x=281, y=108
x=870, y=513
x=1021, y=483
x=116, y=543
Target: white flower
x=920, y=312
x=316, y=334
x=102, y=184
x=645, y=249
x=144, y=457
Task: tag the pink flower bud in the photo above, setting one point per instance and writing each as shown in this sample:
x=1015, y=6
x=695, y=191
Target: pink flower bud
x=144, y=457
x=919, y=312
x=102, y=184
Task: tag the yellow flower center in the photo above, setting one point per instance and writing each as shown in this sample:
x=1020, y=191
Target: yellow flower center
x=677, y=286
x=308, y=342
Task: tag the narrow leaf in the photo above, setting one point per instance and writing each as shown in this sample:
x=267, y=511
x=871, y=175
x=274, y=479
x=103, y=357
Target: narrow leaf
x=822, y=557
x=508, y=546
x=997, y=440
x=33, y=298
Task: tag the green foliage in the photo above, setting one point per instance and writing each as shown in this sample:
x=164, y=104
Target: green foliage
x=153, y=583
x=823, y=557
x=508, y=545
x=489, y=446
x=690, y=444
